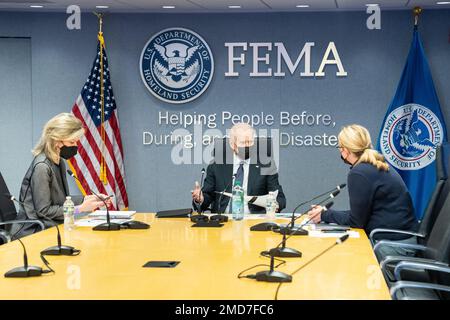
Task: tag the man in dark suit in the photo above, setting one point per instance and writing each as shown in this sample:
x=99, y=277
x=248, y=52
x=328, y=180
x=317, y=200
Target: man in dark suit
x=256, y=177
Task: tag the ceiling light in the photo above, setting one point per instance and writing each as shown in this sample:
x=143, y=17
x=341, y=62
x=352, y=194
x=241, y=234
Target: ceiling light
x=168, y=7
x=372, y=4
x=302, y=6
x=234, y=7
x=443, y=2
x=36, y=6
x=102, y=7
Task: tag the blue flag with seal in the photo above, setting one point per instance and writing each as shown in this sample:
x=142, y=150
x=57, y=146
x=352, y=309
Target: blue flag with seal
x=413, y=127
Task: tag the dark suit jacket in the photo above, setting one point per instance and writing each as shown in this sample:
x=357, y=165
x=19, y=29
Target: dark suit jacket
x=219, y=177
x=44, y=190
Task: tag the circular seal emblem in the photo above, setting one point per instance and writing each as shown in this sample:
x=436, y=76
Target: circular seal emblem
x=176, y=65
x=409, y=137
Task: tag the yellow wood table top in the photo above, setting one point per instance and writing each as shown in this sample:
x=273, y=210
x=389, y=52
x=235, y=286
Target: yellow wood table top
x=110, y=264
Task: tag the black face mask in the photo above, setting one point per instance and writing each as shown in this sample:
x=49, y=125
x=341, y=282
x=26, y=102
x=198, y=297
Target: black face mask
x=68, y=152
x=243, y=152
x=346, y=161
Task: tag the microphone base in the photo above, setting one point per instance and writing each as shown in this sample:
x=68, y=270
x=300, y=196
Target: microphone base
x=59, y=251
x=207, y=224
x=219, y=217
x=294, y=232
x=199, y=217
x=273, y=276
x=107, y=227
x=22, y=272
x=286, y=252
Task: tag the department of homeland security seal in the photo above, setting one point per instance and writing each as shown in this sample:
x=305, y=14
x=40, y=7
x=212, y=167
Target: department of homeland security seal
x=410, y=136
x=176, y=65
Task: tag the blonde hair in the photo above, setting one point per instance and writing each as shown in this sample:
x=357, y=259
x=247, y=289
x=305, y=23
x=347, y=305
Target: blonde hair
x=356, y=139
x=240, y=128
x=64, y=126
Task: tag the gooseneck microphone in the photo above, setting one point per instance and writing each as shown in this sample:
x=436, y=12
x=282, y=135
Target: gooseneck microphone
x=276, y=276
x=54, y=250
x=108, y=226
x=338, y=241
x=282, y=251
x=199, y=216
x=291, y=226
x=337, y=188
x=219, y=217
x=271, y=226
x=26, y=270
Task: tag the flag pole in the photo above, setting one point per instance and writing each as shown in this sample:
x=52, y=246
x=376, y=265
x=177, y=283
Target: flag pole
x=416, y=11
x=102, y=100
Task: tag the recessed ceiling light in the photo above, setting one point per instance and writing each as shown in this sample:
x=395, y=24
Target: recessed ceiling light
x=168, y=7
x=302, y=6
x=36, y=6
x=234, y=7
x=372, y=4
x=443, y=2
x=102, y=7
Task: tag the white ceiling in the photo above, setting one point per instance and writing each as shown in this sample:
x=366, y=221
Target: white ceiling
x=217, y=5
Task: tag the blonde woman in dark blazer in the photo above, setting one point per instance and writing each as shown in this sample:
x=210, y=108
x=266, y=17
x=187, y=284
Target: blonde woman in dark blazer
x=44, y=187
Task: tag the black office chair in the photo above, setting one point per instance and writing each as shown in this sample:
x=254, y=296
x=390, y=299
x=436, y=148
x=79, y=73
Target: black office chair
x=8, y=213
x=430, y=267
x=435, y=203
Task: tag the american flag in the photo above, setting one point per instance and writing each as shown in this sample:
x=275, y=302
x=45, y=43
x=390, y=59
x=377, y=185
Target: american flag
x=99, y=162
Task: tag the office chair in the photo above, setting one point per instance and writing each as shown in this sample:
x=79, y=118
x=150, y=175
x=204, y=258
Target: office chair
x=435, y=203
x=430, y=267
x=8, y=213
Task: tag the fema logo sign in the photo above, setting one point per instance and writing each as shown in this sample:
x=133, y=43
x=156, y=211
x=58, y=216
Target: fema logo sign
x=410, y=136
x=176, y=65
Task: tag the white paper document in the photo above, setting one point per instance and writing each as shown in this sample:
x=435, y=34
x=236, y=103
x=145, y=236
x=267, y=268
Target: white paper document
x=101, y=214
x=96, y=222
x=320, y=234
x=259, y=201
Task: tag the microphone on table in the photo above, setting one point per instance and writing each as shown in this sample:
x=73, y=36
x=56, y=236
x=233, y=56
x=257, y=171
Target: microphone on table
x=281, y=250
x=338, y=241
x=272, y=226
x=288, y=228
x=199, y=216
x=25, y=271
x=276, y=276
x=57, y=250
x=108, y=226
x=219, y=217
x=111, y=226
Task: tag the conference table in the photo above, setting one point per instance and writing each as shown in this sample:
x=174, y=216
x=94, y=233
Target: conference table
x=110, y=265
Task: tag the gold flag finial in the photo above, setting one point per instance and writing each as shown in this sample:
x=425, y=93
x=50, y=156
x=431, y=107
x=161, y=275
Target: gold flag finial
x=417, y=11
x=100, y=21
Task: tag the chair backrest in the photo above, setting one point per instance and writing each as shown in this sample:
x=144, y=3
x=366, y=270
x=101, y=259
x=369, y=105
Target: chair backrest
x=223, y=154
x=439, y=193
x=7, y=208
x=438, y=244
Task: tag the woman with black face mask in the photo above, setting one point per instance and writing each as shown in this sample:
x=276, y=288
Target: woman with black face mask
x=44, y=187
x=378, y=196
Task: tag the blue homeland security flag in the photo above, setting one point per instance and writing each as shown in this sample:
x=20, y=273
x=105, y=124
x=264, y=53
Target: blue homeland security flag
x=413, y=127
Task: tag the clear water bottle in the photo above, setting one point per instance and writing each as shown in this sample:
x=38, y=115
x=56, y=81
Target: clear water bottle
x=271, y=205
x=237, y=208
x=69, y=217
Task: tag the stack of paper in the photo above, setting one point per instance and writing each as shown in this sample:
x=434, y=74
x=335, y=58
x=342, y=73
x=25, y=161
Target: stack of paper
x=101, y=214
